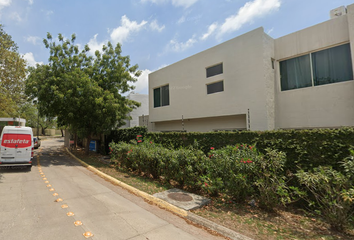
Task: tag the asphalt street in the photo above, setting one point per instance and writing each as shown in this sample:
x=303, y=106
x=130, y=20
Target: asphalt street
x=60, y=199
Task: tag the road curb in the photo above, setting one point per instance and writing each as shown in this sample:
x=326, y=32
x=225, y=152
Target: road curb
x=165, y=205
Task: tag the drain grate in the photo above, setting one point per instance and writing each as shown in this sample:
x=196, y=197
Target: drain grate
x=181, y=197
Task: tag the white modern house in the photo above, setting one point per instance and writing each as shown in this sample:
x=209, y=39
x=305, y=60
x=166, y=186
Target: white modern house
x=143, y=110
x=255, y=82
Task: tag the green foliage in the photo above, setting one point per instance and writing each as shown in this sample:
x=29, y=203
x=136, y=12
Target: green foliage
x=82, y=91
x=242, y=171
x=234, y=167
x=12, y=76
x=239, y=171
x=124, y=135
x=304, y=149
x=271, y=181
x=332, y=192
x=154, y=160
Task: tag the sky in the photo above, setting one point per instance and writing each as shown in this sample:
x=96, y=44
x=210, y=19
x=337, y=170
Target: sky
x=154, y=33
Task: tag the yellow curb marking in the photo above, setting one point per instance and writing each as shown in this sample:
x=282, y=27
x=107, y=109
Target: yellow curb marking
x=52, y=189
x=70, y=214
x=46, y=182
x=64, y=206
x=43, y=175
x=87, y=234
x=44, y=178
x=78, y=223
x=49, y=185
x=58, y=200
x=55, y=194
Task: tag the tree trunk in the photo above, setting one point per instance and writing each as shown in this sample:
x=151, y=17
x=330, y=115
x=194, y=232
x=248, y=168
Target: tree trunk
x=88, y=140
x=43, y=131
x=75, y=140
x=62, y=132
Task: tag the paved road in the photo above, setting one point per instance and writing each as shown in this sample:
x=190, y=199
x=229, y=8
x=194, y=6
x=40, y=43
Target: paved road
x=28, y=209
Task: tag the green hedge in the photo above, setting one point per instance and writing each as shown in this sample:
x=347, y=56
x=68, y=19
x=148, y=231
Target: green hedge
x=124, y=135
x=304, y=149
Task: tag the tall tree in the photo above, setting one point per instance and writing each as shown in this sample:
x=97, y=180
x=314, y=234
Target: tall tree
x=12, y=76
x=83, y=91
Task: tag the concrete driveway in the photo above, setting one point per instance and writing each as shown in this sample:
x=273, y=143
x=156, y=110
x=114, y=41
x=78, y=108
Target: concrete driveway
x=47, y=202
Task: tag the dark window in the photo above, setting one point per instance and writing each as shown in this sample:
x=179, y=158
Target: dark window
x=157, y=97
x=328, y=66
x=295, y=73
x=332, y=65
x=215, y=87
x=215, y=70
x=161, y=96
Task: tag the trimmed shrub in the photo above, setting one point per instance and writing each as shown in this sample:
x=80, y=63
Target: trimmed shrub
x=304, y=149
x=332, y=192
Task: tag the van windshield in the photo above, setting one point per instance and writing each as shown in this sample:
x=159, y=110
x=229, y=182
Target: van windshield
x=11, y=140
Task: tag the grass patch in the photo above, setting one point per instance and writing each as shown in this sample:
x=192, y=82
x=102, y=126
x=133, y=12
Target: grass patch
x=242, y=218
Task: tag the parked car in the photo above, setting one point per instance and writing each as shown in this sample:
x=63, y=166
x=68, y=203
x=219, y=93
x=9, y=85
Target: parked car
x=36, y=142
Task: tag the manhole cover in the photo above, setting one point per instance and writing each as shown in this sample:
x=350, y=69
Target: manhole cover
x=182, y=197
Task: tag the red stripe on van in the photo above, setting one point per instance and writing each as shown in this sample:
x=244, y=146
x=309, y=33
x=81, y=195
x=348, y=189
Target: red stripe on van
x=11, y=140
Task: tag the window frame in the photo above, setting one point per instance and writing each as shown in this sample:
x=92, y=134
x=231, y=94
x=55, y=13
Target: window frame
x=161, y=96
x=311, y=66
x=223, y=87
x=211, y=74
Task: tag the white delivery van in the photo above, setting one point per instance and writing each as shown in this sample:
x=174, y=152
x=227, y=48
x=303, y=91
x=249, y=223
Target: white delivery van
x=16, y=146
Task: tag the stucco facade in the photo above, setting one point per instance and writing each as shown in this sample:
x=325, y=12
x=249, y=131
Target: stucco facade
x=252, y=96
x=142, y=110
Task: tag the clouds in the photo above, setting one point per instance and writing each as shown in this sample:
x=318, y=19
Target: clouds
x=5, y=3
x=33, y=39
x=248, y=13
x=122, y=33
x=210, y=31
x=183, y=3
x=176, y=46
x=95, y=45
x=176, y=3
x=142, y=85
x=155, y=26
x=30, y=59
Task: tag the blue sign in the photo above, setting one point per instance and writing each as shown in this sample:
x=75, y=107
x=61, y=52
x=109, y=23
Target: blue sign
x=93, y=146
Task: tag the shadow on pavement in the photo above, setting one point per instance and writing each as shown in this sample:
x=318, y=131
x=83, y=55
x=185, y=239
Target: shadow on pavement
x=56, y=156
x=9, y=170
x=53, y=153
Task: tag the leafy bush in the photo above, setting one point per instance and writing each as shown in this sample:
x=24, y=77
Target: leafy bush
x=304, y=149
x=183, y=166
x=124, y=135
x=332, y=192
x=231, y=168
x=271, y=181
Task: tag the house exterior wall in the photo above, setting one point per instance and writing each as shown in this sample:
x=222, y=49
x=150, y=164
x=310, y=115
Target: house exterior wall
x=144, y=121
x=224, y=123
x=252, y=88
x=245, y=84
x=317, y=106
x=142, y=110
